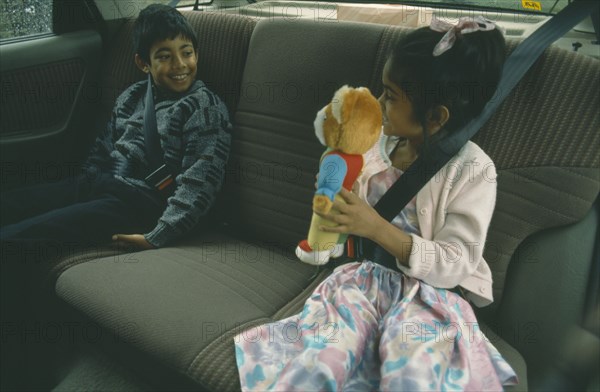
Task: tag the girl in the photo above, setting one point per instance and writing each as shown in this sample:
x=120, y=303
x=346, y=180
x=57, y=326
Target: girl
x=398, y=322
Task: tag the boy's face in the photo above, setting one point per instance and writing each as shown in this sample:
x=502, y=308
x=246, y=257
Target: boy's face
x=172, y=64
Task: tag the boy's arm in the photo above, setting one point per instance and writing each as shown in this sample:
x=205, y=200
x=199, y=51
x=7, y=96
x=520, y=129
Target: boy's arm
x=99, y=156
x=206, y=139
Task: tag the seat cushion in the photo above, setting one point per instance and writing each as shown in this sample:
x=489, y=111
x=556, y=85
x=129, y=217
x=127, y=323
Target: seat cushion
x=187, y=303
x=179, y=300
x=511, y=355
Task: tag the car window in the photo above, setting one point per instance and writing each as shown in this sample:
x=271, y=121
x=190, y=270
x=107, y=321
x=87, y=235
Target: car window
x=116, y=9
x=544, y=6
x=22, y=18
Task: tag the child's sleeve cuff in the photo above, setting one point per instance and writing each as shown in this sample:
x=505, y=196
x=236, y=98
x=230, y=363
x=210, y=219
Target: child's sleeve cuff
x=419, y=263
x=160, y=236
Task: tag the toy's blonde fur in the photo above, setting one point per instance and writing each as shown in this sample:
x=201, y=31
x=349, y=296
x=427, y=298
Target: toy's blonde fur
x=353, y=121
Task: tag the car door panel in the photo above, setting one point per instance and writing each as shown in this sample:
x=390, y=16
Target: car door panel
x=48, y=90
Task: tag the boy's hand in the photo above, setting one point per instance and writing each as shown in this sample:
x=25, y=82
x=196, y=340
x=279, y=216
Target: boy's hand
x=137, y=240
x=355, y=217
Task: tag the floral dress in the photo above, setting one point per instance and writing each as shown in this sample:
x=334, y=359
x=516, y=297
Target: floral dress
x=368, y=327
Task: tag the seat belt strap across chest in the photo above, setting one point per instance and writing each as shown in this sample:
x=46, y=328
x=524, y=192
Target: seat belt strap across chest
x=160, y=176
x=151, y=140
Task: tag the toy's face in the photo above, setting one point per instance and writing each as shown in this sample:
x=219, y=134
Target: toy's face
x=318, y=124
x=327, y=127
x=351, y=123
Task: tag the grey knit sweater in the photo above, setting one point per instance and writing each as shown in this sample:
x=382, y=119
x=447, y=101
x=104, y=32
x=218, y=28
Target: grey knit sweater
x=195, y=136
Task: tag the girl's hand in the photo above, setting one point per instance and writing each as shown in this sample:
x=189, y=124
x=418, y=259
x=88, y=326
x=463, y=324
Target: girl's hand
x=136, y=240
x=360, y=219
x=355, y=217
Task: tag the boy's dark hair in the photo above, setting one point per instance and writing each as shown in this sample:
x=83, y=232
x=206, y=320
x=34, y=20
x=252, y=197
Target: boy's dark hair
x=464, y=78
x=158, y=22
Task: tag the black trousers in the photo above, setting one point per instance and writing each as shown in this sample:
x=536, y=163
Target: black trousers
x=43, y=223
x=79, y=211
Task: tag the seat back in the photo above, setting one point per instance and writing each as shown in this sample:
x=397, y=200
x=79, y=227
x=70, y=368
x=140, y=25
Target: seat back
x=544, y=141
x=293, y=69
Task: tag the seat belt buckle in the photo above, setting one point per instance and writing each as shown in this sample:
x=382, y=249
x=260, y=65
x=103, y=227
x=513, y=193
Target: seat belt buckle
x=161, y=179
x=350, y=251
x=353, y=249
x=358, y=248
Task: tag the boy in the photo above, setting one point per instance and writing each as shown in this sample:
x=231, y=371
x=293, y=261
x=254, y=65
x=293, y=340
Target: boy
x=125, y=202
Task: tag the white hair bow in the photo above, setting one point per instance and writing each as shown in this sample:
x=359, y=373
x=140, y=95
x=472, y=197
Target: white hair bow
x=465, y=25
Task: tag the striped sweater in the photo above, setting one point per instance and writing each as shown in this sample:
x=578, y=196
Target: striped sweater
x=194, y=132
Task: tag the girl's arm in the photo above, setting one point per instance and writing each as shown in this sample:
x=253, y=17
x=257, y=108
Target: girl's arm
x=456, y=249
x=358, y=218
x=454, y=252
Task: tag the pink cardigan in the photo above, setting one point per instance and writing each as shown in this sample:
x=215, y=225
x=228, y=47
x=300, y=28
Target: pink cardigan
x=454, y=211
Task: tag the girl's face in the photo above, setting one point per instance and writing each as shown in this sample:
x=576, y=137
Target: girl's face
x=398, y=114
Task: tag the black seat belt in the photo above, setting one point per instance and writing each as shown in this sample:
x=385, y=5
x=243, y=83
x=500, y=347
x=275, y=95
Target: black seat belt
x=516, y=65
x=160, y=176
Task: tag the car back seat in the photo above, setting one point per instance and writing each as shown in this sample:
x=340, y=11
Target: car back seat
x=188, y=301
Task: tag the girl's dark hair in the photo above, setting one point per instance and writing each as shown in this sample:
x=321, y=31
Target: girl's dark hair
x=464, y=78
x=158, y=22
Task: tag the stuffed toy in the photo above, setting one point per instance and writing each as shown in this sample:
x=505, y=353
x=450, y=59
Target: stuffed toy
x=348, y=126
